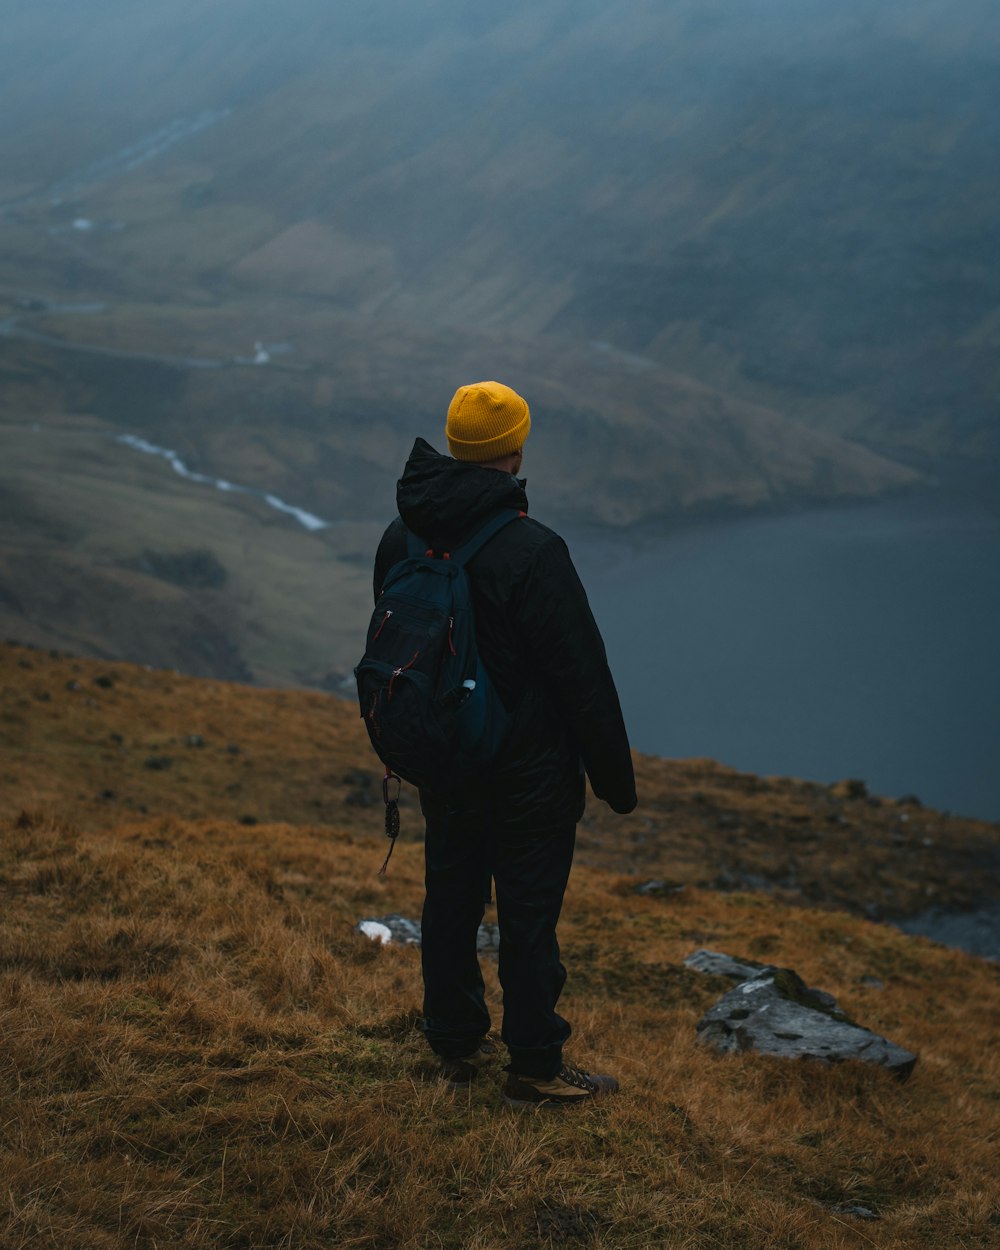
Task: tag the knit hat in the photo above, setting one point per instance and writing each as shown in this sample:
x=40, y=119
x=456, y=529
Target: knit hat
x=486, y=420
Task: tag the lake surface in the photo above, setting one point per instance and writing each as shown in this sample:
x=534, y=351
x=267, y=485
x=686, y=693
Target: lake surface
x=860, y=642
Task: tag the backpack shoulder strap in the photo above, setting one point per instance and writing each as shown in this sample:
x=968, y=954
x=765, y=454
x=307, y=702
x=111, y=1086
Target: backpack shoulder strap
x=482, y=536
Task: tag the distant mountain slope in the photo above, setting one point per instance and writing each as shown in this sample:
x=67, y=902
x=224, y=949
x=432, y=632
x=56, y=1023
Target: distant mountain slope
x=105, y=549
x=738, y=257
x=617, y=439
x=791, y=202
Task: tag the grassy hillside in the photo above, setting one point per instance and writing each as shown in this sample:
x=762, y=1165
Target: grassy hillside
x=134, y=742
x=108, y=551
x=201, y=1052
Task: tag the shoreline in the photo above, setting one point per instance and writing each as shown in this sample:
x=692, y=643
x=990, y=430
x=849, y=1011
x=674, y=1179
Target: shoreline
x=977, y=931
x=944, y=496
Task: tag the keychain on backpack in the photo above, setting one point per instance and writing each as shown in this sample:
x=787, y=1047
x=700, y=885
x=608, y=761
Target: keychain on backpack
x=391, y=814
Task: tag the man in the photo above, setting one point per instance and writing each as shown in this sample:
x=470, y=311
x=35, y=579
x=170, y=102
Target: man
x=516, y=822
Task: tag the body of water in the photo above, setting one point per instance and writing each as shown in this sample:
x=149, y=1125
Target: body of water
x=860, y=642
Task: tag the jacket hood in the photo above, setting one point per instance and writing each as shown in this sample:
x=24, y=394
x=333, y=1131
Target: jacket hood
x=444, y=501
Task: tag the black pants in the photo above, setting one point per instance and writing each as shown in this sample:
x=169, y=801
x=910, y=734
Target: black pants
x=530, y=876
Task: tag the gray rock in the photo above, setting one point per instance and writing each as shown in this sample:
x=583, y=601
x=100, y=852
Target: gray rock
x=855, y=1209
x=658, y=889
x=488, y=939
x=406, y=932
x=774, y=1012
x=716, y=964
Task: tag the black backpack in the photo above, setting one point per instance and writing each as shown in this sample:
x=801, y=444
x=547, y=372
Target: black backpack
x=430, y=708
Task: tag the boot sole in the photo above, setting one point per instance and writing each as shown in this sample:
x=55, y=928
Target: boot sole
x=546, y=1102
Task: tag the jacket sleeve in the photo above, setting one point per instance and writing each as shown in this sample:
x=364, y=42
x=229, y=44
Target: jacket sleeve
x=566, y=650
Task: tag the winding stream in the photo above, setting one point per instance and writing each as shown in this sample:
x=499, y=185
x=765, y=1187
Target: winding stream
x=306, y=519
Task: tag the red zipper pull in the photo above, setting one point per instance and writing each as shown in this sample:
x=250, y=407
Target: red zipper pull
x=388, y=613
x=451, y=645
x=402, y=669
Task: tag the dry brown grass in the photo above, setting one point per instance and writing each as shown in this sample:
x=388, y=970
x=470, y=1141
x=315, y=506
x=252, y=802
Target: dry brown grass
x=200, y=1052
x=302, y=757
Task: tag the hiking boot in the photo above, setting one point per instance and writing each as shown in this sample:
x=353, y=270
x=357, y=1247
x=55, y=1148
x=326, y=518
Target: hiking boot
x=459, y=1072
x=569, y=1086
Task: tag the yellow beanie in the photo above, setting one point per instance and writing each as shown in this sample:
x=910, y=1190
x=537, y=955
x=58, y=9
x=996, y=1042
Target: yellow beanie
x=486, y=420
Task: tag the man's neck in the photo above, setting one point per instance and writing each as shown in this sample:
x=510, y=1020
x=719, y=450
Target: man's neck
x=505, y=464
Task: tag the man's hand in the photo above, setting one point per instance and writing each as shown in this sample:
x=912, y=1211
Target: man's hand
x=623, y=808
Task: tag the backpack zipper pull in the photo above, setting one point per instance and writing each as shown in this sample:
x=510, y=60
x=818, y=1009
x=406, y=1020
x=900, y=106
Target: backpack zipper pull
x=388, y=613
x=397, y=671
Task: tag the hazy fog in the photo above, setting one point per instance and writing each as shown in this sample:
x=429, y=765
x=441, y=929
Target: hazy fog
x=790, y=198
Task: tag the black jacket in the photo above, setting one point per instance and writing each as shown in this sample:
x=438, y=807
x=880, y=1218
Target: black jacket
x=538, y=639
